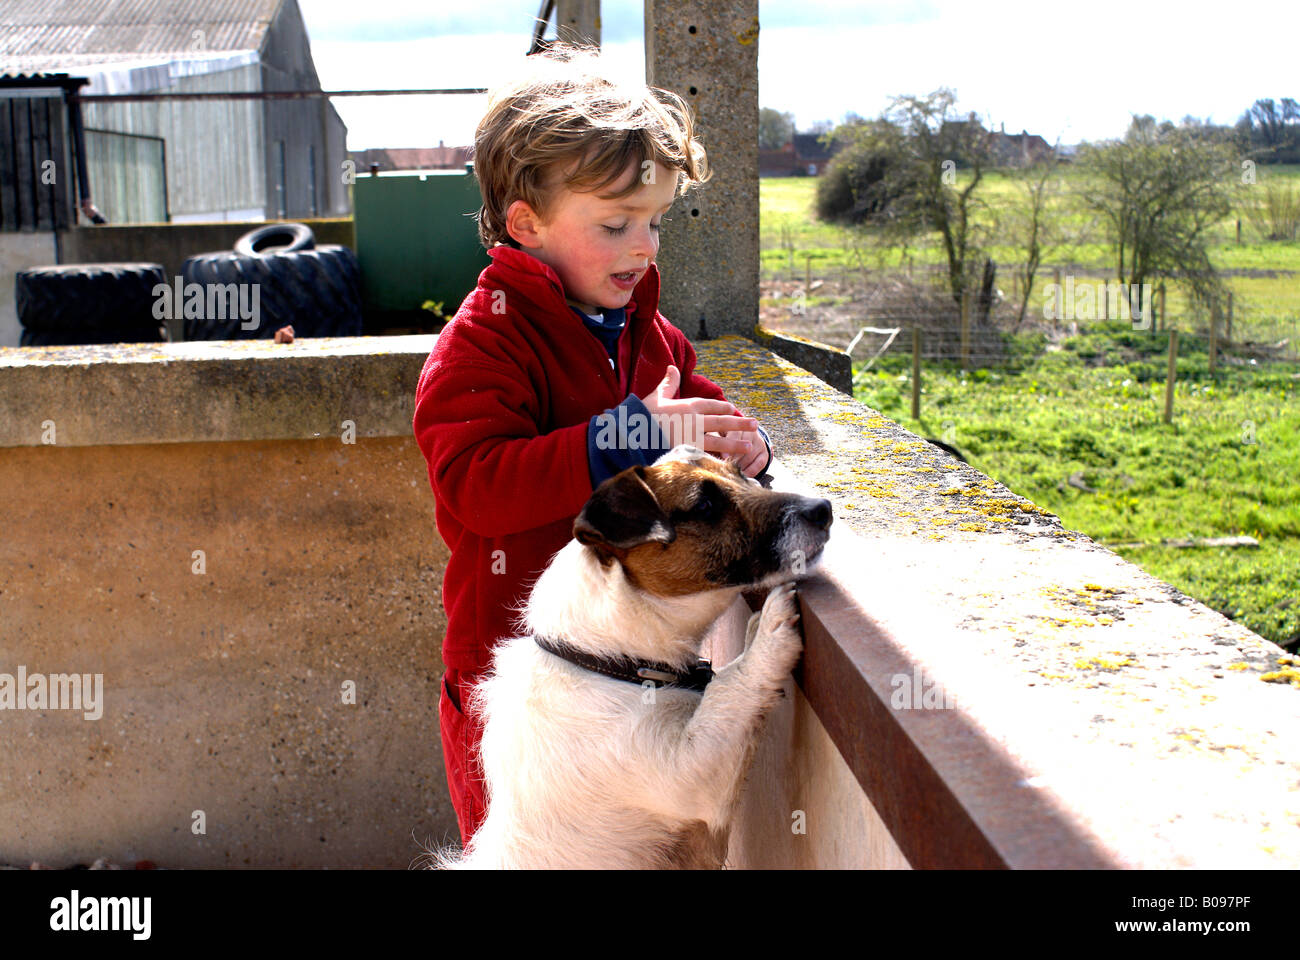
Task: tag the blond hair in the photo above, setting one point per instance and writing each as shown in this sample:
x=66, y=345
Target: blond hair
x=565, y=109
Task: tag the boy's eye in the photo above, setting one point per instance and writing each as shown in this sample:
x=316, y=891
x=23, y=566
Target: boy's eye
x=615, y=231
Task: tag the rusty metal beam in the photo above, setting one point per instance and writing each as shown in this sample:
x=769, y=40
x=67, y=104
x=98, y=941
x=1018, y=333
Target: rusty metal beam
x=266, y=95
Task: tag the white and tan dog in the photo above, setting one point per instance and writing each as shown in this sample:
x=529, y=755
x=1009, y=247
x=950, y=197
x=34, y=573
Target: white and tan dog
x=587, y=769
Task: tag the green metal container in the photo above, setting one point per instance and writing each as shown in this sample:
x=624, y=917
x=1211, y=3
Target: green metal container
x=417, y=239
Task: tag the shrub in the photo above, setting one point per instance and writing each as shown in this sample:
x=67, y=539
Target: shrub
x=855, y=187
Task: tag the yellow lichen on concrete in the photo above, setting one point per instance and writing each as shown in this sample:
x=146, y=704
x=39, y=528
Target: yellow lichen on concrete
x=1101, y=663
x=1285, y=675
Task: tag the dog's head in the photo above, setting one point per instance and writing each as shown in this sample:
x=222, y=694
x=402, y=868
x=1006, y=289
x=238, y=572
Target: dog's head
x=691, y=523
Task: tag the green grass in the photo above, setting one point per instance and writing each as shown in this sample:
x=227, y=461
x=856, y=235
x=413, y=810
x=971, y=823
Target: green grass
x=1229, y=463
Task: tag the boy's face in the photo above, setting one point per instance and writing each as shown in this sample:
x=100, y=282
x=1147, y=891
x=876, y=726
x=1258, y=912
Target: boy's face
x=600, y=248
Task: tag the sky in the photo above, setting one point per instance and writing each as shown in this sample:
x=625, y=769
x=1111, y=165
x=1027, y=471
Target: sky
x=1064, y=71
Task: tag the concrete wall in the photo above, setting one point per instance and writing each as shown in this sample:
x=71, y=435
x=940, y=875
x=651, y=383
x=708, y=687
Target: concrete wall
x=1087, y=714
x=801, y=807
x=17, y=252
x=224, y=683
x=224, y=689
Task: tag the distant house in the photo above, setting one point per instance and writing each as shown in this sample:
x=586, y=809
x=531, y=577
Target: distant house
x=804, y=156
x=190, y=160
x=778, y=163
x=441, y=157
x=1019, y=149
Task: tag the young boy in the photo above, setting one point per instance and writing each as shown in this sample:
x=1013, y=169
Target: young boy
x=514, y=405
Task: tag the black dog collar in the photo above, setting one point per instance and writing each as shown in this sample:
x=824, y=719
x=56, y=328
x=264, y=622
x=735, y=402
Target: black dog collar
x=631, y=669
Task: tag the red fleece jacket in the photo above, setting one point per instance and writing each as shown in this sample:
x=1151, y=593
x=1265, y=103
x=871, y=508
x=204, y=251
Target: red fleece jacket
x=501, y=414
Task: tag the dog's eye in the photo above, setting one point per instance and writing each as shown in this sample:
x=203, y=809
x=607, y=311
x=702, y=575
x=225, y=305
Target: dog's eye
x=707, y=502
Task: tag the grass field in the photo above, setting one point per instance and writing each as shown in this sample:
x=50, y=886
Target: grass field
x=1093, y=404
x=1263, y=275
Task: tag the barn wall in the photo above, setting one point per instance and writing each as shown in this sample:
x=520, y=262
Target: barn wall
x=307, y=128
x=215, y=168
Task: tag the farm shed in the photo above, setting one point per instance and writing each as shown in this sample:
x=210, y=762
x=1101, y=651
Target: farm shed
x=190, y=160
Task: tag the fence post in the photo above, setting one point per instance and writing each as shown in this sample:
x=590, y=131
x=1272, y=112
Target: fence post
x=1229, y=340
x=1214, y=332
x=807, y=266
x=1169, y=377
x=965, y=327
x=1239, y=230
x=1163, y=318
x=916, y=373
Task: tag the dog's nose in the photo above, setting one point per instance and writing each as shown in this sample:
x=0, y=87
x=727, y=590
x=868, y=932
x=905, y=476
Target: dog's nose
x=817, y=512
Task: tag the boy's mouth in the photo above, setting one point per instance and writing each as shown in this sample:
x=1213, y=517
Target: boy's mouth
x=625, y=280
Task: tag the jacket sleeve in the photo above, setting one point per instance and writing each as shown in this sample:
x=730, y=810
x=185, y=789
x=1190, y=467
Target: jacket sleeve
x=476, y=424
x=612, y=440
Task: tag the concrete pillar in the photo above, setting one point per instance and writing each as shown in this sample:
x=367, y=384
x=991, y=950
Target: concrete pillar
x=706, y=51
x=578, y=21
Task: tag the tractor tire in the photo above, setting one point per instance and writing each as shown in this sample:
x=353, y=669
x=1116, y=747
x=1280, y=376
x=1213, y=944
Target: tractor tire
x=317, y=292
x=84, y=303
x=276, y=238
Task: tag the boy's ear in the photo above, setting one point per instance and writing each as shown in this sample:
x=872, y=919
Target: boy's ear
x=522, y=223
x=623, y=513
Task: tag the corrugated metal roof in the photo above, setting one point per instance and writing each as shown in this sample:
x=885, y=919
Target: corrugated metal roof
x=62, y=34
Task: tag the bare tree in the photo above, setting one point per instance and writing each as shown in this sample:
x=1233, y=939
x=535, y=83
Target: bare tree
x=1036, y=224
x=924, y=141
x=1159, y=190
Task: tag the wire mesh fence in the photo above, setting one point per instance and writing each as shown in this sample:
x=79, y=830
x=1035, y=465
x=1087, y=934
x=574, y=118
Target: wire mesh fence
x=873, y=319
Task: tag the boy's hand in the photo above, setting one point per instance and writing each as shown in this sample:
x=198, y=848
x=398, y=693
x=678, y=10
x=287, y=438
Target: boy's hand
x=753, y=462
x=703, y=423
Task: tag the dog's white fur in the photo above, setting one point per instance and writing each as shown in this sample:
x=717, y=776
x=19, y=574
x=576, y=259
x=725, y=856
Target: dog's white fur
x=588, y=771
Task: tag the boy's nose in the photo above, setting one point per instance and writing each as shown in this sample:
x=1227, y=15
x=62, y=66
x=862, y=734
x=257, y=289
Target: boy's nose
x=647, y=245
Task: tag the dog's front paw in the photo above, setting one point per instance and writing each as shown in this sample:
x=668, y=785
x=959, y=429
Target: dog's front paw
x=776, y=645
x=751, y=628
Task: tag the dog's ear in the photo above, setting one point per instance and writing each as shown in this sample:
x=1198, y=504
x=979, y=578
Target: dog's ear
x=621, y=514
